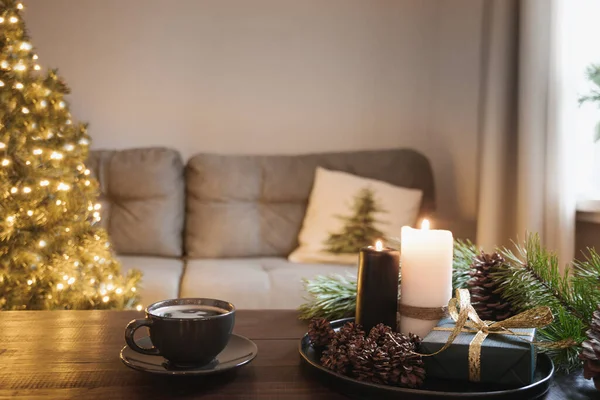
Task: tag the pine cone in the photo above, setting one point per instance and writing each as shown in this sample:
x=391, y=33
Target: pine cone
x=344, y=344
x=349, y=332
x=386, y=358
x=415, y=339
x=591, y=351
x=407, y=369
x=320, y=332
x=380, y=366
x=486, y=301
x=379, y=333
x=337, y=356
x=360, y=359
x=383, y=357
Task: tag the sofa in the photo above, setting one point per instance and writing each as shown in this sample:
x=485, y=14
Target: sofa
x=222, y=226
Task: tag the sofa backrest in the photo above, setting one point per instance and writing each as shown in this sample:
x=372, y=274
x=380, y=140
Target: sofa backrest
x=252, y=206
x=142, y=197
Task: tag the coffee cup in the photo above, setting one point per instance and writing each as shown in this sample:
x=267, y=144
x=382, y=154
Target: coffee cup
x=185, y=331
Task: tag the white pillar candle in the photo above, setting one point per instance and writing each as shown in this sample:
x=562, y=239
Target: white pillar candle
x=426, y=265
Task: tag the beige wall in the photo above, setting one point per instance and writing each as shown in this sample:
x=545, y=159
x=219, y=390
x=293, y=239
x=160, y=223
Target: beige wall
x=276, y=76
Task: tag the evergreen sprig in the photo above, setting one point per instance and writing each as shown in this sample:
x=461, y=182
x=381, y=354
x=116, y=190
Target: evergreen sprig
x=586, y=283
x=464, y=253
x=330, y=297
x=531, y=278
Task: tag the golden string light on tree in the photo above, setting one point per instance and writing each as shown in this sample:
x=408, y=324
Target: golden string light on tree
x=53, y=253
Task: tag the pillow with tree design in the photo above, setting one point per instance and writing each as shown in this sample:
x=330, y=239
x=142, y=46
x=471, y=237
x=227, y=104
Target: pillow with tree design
x=346, y=212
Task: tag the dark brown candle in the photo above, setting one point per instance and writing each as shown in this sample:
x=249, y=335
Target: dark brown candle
x=377, y=291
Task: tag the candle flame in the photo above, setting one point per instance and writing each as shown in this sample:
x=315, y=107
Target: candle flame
x=378, y=245
x=425, y=224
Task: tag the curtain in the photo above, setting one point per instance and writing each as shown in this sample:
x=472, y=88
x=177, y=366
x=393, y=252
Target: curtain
x=526, y=157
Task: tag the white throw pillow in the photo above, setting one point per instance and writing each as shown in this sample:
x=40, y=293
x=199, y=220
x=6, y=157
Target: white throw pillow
x=346, y=212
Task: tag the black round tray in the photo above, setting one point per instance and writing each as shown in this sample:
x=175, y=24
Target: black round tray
x=433, y=388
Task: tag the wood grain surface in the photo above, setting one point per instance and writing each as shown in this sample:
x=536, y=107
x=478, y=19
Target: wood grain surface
x=75, y=354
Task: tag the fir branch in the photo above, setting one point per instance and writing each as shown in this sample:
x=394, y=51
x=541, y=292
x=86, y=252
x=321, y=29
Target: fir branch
x=330, y=297
x=564, y=326
x=562, y=299
x=585, y=283
x=531, y=278
x=589, y=267
x=464, y=253
x=533, y=263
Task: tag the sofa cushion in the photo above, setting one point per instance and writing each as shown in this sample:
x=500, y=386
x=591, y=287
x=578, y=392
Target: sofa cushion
x=254, y=283
x=160, y=277
x=346, y=212
x=253, y=206
x=142, y=194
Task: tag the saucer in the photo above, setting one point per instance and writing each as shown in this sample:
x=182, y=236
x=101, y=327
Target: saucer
x=239, y=351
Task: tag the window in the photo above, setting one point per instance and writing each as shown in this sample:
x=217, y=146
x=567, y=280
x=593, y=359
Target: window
x=584, y=52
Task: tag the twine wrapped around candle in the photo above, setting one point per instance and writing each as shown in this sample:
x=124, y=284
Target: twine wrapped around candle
x=468, y=320
x=426, y=313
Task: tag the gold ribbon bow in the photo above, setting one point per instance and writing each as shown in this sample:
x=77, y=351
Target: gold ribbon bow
x=467, y=317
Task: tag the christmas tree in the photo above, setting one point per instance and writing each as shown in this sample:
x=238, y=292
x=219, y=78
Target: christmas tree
x=53, y=255
x=359, y=229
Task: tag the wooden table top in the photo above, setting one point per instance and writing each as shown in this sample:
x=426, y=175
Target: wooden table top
x=75, y=354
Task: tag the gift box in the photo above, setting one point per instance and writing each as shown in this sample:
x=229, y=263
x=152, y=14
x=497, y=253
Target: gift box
x=506, y=358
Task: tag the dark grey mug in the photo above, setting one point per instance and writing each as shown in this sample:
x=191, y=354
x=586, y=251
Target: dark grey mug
x=185, y=331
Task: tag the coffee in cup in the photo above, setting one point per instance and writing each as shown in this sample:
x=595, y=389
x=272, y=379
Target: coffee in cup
x=188, y=311
x=187, y=332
